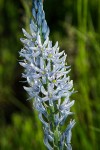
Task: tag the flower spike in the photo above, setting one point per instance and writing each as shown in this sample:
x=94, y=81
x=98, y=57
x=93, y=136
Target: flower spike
x=46, y=73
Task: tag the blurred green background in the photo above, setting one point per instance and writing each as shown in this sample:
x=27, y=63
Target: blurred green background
x=76, y=25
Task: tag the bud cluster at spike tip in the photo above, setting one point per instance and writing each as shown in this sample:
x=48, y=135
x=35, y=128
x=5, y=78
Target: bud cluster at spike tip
x=50, y=86
x=39, y=23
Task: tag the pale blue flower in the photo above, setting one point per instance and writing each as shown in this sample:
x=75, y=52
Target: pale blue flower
x=49, y=84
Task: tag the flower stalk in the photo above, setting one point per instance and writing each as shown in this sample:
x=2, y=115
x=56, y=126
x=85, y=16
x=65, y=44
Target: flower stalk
x=50, y=86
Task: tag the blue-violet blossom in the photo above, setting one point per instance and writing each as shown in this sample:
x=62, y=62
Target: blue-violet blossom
x=50, y=87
